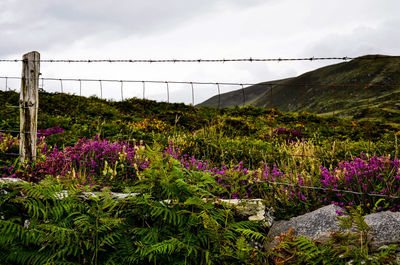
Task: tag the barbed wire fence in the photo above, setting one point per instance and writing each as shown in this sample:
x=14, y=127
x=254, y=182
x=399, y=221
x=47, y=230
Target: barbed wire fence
x=241, y=86
x=192, y=85
x=223, y=60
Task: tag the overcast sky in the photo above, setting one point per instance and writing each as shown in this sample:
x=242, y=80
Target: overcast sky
x=192, y=29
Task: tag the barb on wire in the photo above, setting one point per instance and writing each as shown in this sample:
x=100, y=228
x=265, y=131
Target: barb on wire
x=250, y=59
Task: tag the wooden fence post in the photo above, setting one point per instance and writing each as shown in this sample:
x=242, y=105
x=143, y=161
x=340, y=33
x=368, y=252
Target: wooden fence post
x=29, y=103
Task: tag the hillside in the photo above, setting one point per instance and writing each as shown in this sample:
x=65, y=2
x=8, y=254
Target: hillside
x=138, y=168
x=313, y=91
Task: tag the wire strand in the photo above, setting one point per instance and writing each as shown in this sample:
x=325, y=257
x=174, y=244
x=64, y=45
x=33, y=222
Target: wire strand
x=223, y=60
x=211, y=83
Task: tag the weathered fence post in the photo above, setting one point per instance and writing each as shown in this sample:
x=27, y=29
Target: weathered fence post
x=29, y=103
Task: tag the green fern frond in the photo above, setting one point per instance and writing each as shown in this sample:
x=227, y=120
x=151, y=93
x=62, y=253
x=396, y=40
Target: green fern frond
x=252, y=234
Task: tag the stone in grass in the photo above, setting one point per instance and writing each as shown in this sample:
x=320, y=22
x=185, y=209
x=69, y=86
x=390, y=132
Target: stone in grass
x=251, y=209
x=10, y=180
x=319, y=224
x=385, y=228
x=316, y=225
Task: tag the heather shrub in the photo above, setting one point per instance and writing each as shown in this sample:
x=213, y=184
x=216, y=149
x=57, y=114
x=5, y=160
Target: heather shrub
x=375, y=176
x=172, y=219
x=98, y=163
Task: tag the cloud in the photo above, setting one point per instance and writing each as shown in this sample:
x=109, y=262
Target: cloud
x=151, y=29
x=382, y=39
x=43, y=24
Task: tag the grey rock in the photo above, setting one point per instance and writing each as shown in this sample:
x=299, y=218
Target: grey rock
x=123, y=195
x=252, y=209
x=318, y=225
x=385, y=228
x=27, y=223
x=268, y=217
x=95, y=194
x=315, y=225
x=10, y=180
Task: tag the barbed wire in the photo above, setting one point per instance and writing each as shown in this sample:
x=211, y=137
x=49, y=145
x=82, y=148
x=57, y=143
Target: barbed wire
x=19, y=107
x=207, y=82
x=17, y=131
x=63, y=159
x=241, y=85
x=13, y=107
x=223, y=60
x=331, y=190
x=10, y=131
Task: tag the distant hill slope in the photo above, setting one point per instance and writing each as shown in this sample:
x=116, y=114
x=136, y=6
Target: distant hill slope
x=319, y=96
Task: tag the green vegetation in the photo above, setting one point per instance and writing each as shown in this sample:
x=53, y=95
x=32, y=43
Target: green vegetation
x=350, y=243
x=172, y=221
x=370, y=90
x=179, y=161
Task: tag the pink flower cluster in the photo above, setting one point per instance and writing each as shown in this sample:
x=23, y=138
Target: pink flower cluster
x=87, y=159
x=116, y=164
x=376, y=175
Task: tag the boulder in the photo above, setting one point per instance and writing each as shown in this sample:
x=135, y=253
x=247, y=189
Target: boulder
x=10, y=180
x=319, y=224
x=385, y=228
x=251, y=209
x=315, y=225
